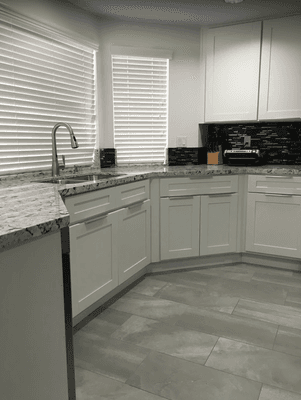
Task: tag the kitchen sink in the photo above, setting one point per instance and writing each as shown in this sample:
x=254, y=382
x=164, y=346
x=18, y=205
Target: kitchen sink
x=78, y=179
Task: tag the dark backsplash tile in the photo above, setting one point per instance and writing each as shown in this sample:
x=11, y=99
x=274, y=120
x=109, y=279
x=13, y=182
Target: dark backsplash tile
x=280, y=140
x=107, y=157
x=187, y=156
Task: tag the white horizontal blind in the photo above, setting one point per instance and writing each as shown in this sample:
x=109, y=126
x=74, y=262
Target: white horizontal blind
x=140, y=100
x=42, y=82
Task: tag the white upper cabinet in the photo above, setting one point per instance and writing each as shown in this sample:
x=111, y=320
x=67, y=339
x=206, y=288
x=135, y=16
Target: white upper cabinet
x=232, y=72
x=252, y=73
x=280, y=75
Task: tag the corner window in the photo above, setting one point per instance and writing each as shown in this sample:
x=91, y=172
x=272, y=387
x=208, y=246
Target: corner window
x=140, y=108
x=45, y=78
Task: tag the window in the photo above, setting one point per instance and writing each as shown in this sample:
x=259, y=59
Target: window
x=45, y=78
x=140, y=106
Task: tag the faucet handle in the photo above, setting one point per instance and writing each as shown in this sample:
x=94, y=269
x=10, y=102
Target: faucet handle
x=62, y=163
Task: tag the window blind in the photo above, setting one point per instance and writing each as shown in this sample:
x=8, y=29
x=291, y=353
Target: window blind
x=44, y=81
x=140, y=105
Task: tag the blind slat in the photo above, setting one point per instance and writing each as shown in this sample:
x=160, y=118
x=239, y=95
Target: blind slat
x=42, y=82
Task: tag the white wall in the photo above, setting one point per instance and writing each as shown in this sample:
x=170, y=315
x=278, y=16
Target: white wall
x=184, y=87
x=185, y=82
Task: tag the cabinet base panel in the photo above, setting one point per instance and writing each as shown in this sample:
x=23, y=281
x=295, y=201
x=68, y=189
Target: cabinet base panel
x=273, y=262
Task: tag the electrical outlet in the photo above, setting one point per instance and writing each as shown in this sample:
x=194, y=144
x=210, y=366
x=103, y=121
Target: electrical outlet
x=181, y=141
x=247, y=141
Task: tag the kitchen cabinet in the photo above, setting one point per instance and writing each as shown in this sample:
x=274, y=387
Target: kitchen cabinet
x=179, y=227
x=232, y=72
x=274, y=216
x=94, y=260
x=134, y=239
x=280, y=74
x=218, y=223
x=198, y=216
x=251, y=75
x=109, y=240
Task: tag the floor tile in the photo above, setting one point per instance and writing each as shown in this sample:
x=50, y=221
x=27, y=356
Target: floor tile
x=272, y=393
x=178, y=379
x=256, y=363
x=92, y=386
x=110, y=357
x=288, y=340
x=175, y=341
x=237, y=272
x=192, y=279
x=285, y=279
x=150, y=307
x=203, y=298
x=230, y=326
x=277, y=314
x=148, y=286
x=106, y=323
x=253, y=290
x=294, y=295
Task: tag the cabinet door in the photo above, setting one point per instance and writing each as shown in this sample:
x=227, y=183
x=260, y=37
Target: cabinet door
x=93, y=255
x=280, y=79
x=134, y=239
x=179, y=227
x=232, y=72
x=218, y=224
x=274, y=224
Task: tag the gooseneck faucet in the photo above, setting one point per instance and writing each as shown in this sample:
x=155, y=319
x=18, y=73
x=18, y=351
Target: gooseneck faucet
x=74, y=145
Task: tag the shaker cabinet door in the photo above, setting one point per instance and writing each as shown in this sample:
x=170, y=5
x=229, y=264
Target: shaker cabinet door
x=179, y=227
x=232, y=72
x=273, y=224
x=218, y=224
x=93, y=255
x=280, y=76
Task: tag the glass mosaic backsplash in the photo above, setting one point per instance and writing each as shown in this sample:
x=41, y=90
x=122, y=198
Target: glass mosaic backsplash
x=280, y=140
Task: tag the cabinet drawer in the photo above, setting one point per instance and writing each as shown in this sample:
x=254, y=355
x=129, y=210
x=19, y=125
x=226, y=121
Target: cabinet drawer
x=274, y=184
x=132, y=193
x=188, y=186
x=87, y=205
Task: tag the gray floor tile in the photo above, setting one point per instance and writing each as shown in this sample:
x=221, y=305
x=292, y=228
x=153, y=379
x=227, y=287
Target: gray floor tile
x=191, y=279
x=258, y=364
x=284, y=279
x=175, y=341
x=230, y=326
x=288, y=340
x=150, y=307
x=178, y=379
x=203, y=298
x=236, y=272
x=254, y=290
x=92, y=386
x=106, y=323
x=294, y=296
x=277, y=314
x=148, y=286
x=272, y=393
x=109, y=357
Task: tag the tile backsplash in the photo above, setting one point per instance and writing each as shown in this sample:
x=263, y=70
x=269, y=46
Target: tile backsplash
x=280, y=140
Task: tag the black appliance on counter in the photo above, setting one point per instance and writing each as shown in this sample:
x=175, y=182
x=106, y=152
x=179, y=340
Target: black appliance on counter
x=244, y=157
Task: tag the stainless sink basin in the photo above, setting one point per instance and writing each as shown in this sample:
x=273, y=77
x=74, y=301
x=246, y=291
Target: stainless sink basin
x=78, y=179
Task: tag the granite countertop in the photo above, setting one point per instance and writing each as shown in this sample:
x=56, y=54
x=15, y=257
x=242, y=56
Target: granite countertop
x=30, y=209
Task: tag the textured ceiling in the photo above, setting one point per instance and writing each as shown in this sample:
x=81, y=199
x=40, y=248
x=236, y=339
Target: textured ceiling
x=190, y=12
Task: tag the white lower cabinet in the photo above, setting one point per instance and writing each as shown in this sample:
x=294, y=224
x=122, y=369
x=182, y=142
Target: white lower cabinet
x=179, y=227
x=273, y=224
x=94, y=260
x=134, y=239
x=218, y=224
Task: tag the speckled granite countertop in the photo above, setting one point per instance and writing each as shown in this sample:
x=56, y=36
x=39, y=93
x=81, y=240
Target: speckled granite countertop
x=29, y=209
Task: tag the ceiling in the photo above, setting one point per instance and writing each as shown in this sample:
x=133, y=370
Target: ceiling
x=189, y=12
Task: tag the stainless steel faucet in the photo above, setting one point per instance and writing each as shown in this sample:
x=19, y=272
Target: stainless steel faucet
x=74, y=145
